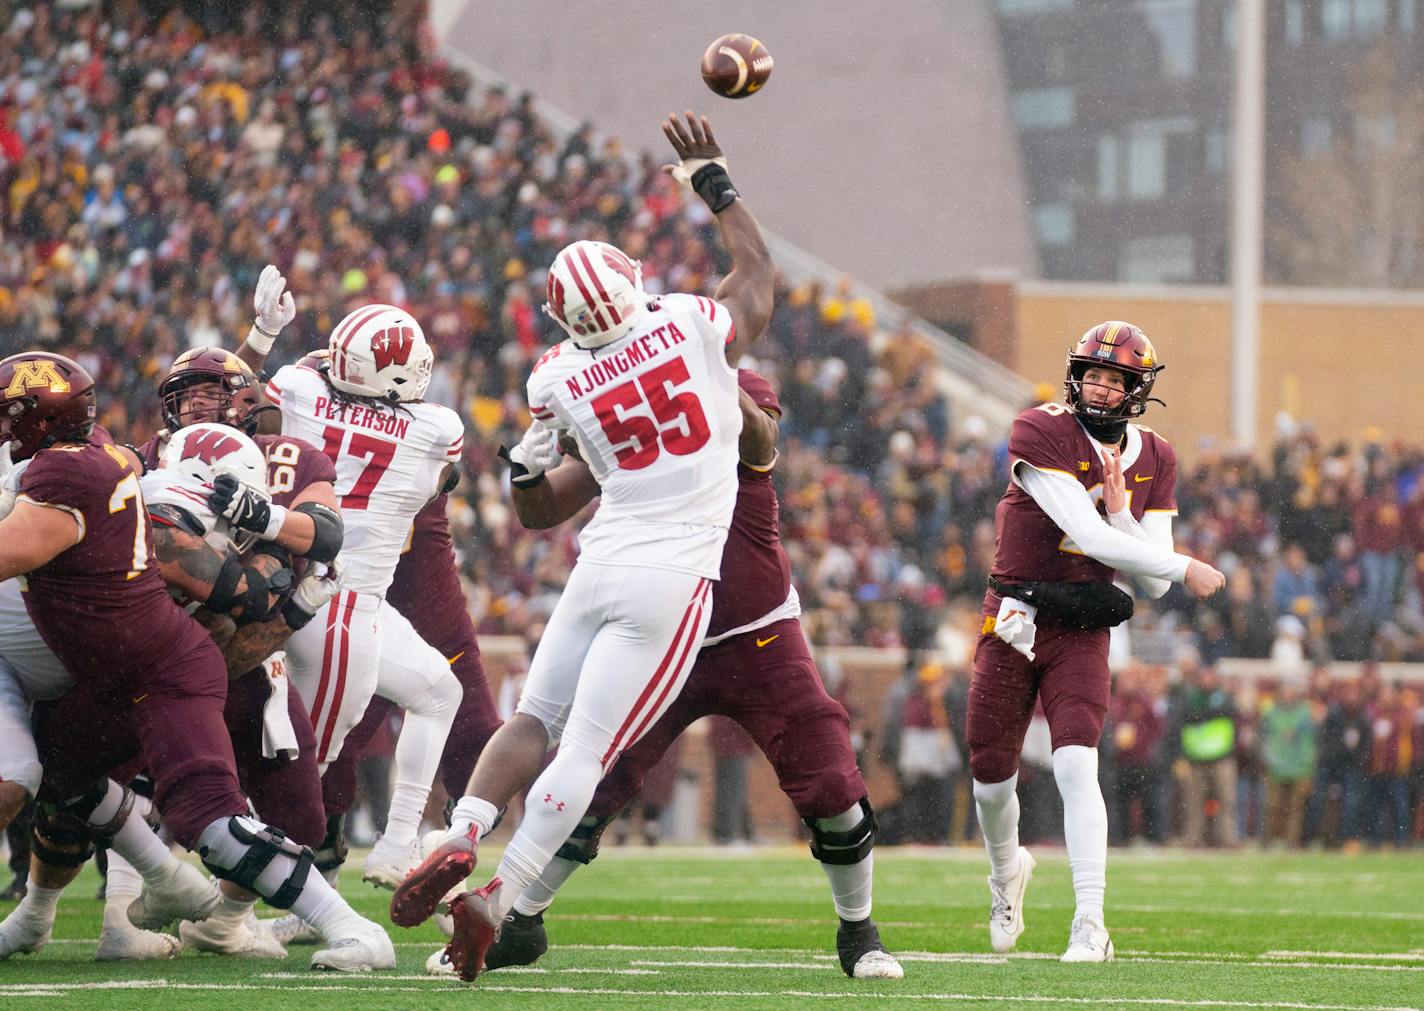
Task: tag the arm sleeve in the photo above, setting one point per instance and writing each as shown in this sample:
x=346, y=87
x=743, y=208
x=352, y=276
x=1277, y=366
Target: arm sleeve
x=1155, y=528
x=1067, y=504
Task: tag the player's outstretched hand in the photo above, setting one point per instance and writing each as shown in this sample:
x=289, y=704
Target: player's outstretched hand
x=1202, y=579
x=240, y=505
x=273, y=302
x=693, y=139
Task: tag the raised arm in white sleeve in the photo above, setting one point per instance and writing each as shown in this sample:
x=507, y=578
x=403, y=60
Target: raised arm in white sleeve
x=1067, y=504
x=1155, y=528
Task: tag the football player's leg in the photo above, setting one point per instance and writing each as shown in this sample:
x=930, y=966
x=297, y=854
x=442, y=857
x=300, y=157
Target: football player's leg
x=1075, y=698
x=514, y=755
x=1001, y=697
x=119, y=938
x=477, y=718
x=20, y=769
x=805, y=734
x=332, y=664
x=414, y=676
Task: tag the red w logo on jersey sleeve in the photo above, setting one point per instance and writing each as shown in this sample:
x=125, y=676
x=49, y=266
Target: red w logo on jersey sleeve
x=392, y=346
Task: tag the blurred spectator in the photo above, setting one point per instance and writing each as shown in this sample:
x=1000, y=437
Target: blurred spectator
x=1288, y=754
x=1204, y=728
x=1344, y=748
x=1395, y=749
x=1137, y=734
x=732, y=749
x=929, y=759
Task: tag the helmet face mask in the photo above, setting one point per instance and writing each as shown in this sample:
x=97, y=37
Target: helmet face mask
x=595, y=293
x=380, y=351
x=1119, y=346
x=44, y=398
x=210, y=385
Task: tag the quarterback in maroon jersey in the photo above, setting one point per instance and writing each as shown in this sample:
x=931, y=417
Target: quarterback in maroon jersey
x=1089, y=494
x=756, y=668
x=149, y=681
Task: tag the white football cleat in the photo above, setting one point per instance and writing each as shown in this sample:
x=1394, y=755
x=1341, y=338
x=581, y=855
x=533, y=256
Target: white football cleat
x=290, y=929
x=438, y=964
x=129, y=944
x=1006, y=920
x=362, y=947
x=24, y=934
x=878, y=965
x=179, y=892
x=1088, y=941
x=388, y=863
x=230, y=937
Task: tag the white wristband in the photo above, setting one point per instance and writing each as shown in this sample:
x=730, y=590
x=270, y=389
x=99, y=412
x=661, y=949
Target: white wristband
x=259, y=341
x=274, y=523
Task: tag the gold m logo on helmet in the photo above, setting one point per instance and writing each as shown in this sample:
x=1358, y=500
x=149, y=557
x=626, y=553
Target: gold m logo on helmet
x=36, y=375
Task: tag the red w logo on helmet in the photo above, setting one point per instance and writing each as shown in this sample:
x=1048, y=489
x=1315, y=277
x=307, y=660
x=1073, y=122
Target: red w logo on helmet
x=209, y=446
x=392, y=346
x=617, y=260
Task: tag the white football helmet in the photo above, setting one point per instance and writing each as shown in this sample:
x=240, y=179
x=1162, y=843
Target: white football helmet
x=207, y=449
x=595, y=293
x=380, y=351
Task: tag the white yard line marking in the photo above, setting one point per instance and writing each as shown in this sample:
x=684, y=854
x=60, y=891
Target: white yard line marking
x=377, y=984
x=1398, y=956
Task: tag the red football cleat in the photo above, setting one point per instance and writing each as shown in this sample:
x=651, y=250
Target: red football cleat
x=476, y=928
x=423, y=889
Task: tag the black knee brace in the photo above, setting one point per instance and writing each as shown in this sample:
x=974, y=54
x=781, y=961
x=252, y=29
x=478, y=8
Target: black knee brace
x=848, y=847
x=582, y=845
x=264, y=845
x=60, y=839
x=331, y=854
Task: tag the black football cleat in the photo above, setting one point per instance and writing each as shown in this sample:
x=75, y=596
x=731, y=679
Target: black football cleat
x=862, y=954
x=522, y=941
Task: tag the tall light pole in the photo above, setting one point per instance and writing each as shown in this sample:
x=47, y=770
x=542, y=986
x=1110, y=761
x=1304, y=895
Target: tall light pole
x=1247, y=186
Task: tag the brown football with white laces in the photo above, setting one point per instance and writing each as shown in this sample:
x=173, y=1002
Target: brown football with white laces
x=736, y=66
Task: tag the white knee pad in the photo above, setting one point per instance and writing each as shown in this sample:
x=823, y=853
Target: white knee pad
x=995, y=795
x=1074, y=766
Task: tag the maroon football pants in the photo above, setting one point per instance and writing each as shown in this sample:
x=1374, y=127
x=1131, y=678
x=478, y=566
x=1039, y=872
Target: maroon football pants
x=766, y=682
x=285, y=794
x=172, y=719
x=1069, y=673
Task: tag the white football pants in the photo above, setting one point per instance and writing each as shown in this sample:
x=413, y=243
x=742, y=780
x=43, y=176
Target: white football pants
x=332, y=662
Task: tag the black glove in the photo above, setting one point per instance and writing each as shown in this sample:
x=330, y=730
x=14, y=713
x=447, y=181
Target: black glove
x=1078, y=605
x=240, y=505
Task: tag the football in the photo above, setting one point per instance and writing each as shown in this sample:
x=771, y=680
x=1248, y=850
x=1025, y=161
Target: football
x=736, y=66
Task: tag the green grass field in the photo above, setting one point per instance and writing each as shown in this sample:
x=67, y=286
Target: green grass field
x=704, y=929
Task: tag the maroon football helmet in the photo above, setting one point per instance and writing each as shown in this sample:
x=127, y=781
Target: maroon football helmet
x=1115, y=345
x=234, y=400
x=44, y=399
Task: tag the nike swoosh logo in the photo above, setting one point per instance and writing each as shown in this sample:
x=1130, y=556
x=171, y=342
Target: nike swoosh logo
x=765, y=642
x=457, y=656
x=140, y=698
x=1138, y=478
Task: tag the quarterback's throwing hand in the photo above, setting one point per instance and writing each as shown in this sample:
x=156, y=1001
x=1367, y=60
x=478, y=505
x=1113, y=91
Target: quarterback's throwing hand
x=1202, y=579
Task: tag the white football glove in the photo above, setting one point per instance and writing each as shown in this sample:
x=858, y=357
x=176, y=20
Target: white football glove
x=537, y=452
x=9, y=480
x=275, y=309
x=313, y=593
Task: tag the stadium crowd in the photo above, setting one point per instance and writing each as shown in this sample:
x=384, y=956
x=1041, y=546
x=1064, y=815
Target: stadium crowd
x=151, y=164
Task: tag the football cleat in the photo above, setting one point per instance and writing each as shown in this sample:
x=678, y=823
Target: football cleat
x=477, y=927
x=1006, y=920
x=417, y=897
x=364, y=946
x=231, y=937
x=1088, y=941
x=290, y=929
x=23, y=933
x=862, y=954
x=129, y=944
x=179, y=892
x=521, y=941
x=389, y=863
x=438, y=964
x=16, y=890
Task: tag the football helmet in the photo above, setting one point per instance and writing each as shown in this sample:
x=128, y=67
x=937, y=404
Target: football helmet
x=208, y=448
x=380, y=351
x=236, y=400
x=44, y=398
x=595, y=292
x=1120, y=346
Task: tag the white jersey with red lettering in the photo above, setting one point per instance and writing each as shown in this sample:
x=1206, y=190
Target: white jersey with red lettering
x=656, y=418
x=388, y=463
x=190, y=494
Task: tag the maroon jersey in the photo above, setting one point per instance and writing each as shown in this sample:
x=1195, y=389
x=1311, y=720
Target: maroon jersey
x=293, y=465
x=1049, y=437
x=756, y=574
x=101, y=604
x=426, y=588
